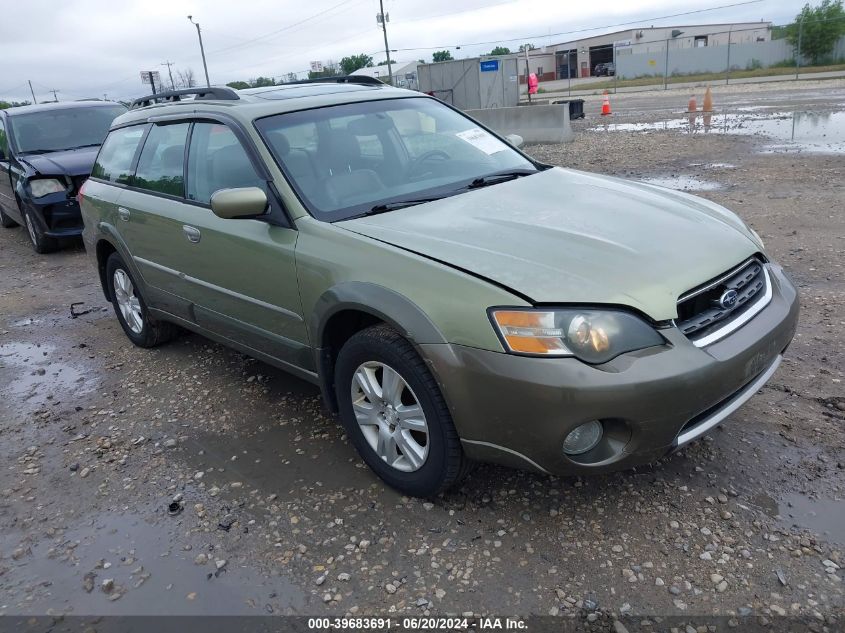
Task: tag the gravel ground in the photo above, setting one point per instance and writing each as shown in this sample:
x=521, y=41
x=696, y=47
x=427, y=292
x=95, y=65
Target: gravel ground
x=275, y=513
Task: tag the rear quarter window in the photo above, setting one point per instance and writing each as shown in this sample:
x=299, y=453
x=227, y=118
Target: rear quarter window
x=114, y=162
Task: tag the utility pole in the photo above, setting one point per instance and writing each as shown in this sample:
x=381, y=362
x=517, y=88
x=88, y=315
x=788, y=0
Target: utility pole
x=170, y=72
x=55, y=96
x=152, y=81
x=382, y=19
x=32, y=92
x=202, y=50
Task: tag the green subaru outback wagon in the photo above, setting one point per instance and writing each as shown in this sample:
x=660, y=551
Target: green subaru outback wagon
x=455, y=300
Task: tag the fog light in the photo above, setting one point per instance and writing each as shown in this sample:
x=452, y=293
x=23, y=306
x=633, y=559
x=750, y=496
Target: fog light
x=583, y=438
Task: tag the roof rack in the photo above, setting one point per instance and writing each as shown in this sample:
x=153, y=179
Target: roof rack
x=342, y=79
x=218, y=93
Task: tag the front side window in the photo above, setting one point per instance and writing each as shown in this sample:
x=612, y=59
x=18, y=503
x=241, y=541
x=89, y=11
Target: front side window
x=114, y=162
x=217, y=160
x=161, y=164
x=58, y=129
x=345, y=160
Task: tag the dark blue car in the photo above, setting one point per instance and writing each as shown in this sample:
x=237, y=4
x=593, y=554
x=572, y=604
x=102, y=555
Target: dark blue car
x=46, y=153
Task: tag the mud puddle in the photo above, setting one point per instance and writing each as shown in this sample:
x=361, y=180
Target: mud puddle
x=144, y=565
x=683, y=183
x=825, y=517
x=38, y=377
x=815, y=132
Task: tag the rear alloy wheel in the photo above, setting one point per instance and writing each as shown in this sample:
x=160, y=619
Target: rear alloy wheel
x=40, y=242
x=130, y=308
x=395, y=415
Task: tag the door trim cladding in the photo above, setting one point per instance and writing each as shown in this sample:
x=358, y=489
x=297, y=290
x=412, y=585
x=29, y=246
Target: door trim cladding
x=299, y=372
x=237, y=295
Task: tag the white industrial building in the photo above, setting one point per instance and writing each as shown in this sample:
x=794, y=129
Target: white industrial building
x=578, y=58
x=404, y=74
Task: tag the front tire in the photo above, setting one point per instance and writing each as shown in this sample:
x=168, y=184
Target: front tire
x=131, y=309
x=5, y=221
x=395, y=414
x=40, y=242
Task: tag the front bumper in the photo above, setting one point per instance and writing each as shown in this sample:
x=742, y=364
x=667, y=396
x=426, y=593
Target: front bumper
x=57, y=215
x=517, y=410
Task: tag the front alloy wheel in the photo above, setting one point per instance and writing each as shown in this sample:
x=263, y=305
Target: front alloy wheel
x=395, y=415
x=390, y=416
x=40, y=242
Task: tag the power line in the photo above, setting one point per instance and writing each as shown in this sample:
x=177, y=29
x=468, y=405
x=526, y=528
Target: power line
x=281, y=30
x=523, y=38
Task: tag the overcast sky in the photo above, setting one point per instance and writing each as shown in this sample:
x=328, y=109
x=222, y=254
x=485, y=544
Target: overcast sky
x=87, y=48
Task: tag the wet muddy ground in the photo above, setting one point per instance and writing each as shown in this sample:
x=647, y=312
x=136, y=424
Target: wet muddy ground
x=275, y=513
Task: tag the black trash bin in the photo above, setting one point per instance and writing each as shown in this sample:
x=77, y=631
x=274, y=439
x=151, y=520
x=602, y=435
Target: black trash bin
x=576, y=107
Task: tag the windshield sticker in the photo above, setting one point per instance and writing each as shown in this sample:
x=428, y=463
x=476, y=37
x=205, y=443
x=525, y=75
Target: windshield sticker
x=482, y=140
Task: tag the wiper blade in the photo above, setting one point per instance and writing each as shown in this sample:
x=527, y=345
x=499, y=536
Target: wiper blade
x=399, y=204
x=81, y=147
x=494, y=179
x=37, y=151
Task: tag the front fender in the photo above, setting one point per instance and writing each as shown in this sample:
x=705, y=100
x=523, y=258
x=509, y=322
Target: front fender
x=382, y=303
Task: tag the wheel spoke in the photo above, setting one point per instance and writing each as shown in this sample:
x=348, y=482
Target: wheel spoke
x=413, y=452
x=386, y=447
x=366, y=379
x=392, y=386
x=412, y=418
x=365, y=413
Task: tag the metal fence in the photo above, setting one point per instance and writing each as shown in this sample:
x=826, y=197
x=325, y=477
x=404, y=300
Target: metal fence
x=680, y=57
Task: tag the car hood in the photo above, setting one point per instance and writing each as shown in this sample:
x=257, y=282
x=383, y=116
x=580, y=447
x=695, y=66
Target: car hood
x=76, y=162
x=562, y=236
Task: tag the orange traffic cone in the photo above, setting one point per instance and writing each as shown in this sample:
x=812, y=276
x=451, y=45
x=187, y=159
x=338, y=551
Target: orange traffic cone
x=708, y=101
x=693, y=106
x=605, y=105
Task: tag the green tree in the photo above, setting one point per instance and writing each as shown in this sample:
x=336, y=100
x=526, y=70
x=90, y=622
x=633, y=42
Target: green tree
x=529, y=46
x=384, y=63
x=501, y=50
x=261, y=82
x=442, y=56
x=818, y=29
x=354, y=62
x=12, y=104
x=238, y=85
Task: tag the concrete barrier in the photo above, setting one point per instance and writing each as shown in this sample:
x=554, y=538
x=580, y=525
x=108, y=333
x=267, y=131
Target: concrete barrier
x=535, y=124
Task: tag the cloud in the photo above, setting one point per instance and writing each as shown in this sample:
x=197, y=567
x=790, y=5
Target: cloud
x=88, y=48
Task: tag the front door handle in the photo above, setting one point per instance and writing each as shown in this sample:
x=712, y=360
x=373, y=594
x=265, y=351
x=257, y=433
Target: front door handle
x=123, y=213
x=191, y=233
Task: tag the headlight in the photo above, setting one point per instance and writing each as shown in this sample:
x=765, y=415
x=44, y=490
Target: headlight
x=594, y=336
x=45, y=186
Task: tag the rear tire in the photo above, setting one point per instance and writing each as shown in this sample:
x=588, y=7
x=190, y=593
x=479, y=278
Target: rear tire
x=387, y=430
x=40, y=242
x=131, y=309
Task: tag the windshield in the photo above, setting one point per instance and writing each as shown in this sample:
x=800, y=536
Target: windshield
x=60, y=129
x=348, y=160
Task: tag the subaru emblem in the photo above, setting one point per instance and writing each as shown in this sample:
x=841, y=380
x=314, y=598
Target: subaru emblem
x=728, y=299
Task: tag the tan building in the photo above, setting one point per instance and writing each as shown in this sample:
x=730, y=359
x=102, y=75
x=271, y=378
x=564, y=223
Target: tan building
x=579, y=58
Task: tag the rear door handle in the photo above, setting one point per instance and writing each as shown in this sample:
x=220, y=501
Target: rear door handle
x=191, y=233
x=123, y=213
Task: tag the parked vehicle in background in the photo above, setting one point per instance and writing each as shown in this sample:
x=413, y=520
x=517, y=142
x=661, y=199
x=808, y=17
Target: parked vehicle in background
x=452, y=304
x=605, y=70
x=46, y=153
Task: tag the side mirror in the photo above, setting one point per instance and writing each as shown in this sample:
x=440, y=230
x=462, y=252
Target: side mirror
x=243, y=202
x=515, y=140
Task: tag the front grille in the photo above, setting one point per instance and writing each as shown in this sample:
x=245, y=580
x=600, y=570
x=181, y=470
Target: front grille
x=713, y=305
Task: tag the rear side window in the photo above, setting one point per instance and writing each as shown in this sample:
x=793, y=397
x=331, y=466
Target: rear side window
x=114, y=162
x=161, y=165
x=217, y=161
